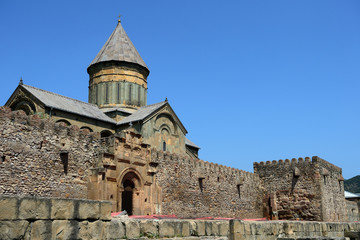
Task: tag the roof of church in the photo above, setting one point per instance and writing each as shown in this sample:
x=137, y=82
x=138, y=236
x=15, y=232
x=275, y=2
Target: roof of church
x=67, y=104
x=351, y=195
x=119, y=48
x=142, y=113
x=191, y=144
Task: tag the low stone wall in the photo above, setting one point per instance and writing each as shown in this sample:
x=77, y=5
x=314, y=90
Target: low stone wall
x=56, y=218
x=352, y=210
x=281, y=230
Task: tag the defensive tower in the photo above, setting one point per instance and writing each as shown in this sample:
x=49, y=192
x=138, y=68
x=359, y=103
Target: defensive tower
x=118, y=74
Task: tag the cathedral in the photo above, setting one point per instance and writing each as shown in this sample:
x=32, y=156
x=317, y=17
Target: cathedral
x=137, y=156
x=117, y=100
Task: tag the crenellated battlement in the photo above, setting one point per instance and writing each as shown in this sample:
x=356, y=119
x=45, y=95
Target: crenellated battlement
x=198, y=164
x=287, y=161
x=19, y=116
x=315, y=161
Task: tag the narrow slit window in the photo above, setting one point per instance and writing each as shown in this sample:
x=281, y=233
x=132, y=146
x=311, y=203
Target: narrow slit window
x=118, y=92
x=65, y=161
x=96, y=94
x=201, y=184
x=238, y=190
x=130, y=93
x=106, y=93
x=164, y=146
x=139, y=90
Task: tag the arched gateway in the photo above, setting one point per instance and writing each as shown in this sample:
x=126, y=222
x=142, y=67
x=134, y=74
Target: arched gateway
x=130, y=193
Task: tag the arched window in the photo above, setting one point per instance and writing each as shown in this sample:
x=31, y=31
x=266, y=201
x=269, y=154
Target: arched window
x=106, y=133
x=164, y=146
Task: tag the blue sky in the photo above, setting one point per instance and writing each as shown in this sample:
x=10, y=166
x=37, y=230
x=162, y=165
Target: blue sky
x=251, y=80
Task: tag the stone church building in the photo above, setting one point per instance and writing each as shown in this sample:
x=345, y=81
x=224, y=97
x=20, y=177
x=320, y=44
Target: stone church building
x=118, y=148
x=117, y=100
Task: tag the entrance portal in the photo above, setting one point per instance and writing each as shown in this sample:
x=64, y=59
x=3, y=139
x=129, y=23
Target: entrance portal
x=131, y=194
x=127, y=196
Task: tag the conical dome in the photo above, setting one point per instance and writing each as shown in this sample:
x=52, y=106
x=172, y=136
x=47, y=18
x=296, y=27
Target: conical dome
x=119, y=48
x=118, y=75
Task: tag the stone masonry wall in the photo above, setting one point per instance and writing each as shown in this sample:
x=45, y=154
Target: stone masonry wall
x=332, y=190
x=41, y=158
x=292, y=189
x=56, y=218
x=352, y=211
x=303, y=189
x=195, y=188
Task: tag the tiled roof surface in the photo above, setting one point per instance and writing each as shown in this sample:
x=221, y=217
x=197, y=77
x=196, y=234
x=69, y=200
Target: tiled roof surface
x=67, y=104
x=119, y=48
x=191, y=144
x=142, y=113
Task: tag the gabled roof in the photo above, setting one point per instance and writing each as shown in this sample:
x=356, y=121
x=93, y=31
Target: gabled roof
x=66, y=104
x=146, y=112
x=191, y=144
x=142, y=113
x=119, y=48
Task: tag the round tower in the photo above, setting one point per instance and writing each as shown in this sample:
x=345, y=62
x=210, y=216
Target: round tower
x=118, y=74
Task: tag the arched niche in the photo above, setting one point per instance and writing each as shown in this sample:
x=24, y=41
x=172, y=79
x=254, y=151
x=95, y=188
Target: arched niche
x=88, y=128
x=66, y=122
x=27, y=106
x=105, y=133
x=165, y=121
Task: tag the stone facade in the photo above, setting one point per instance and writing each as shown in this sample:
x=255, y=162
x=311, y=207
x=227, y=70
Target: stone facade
x=302, y=189
x=43, y=158
x=352, y=211
x=56, y=218
x=198, y=188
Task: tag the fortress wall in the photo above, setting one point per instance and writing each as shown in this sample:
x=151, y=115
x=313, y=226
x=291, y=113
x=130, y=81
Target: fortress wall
x=332, y=189
x=196, y=188
x=42, y=158
x=292, y=188
x=309, y=189
x=56, y=218
x=352, y=211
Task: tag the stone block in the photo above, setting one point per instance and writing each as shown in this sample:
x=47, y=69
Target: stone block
x=193, y=230
x=115, y=230
x=132, y=229
x=62, y=209
x=41, y=230
x=89, y=210
x=64, y=229
x=8, y=208
x=91, y=230
x=34, y=208
x=166, y=228
x=13, y=229
x=149, y=228
x=208, y=228
x=184, y=229
x=236, y=226
x=224, y=228
x=105, y=210
x=200, y=228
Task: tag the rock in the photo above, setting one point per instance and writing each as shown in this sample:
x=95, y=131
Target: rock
x=13, y=229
